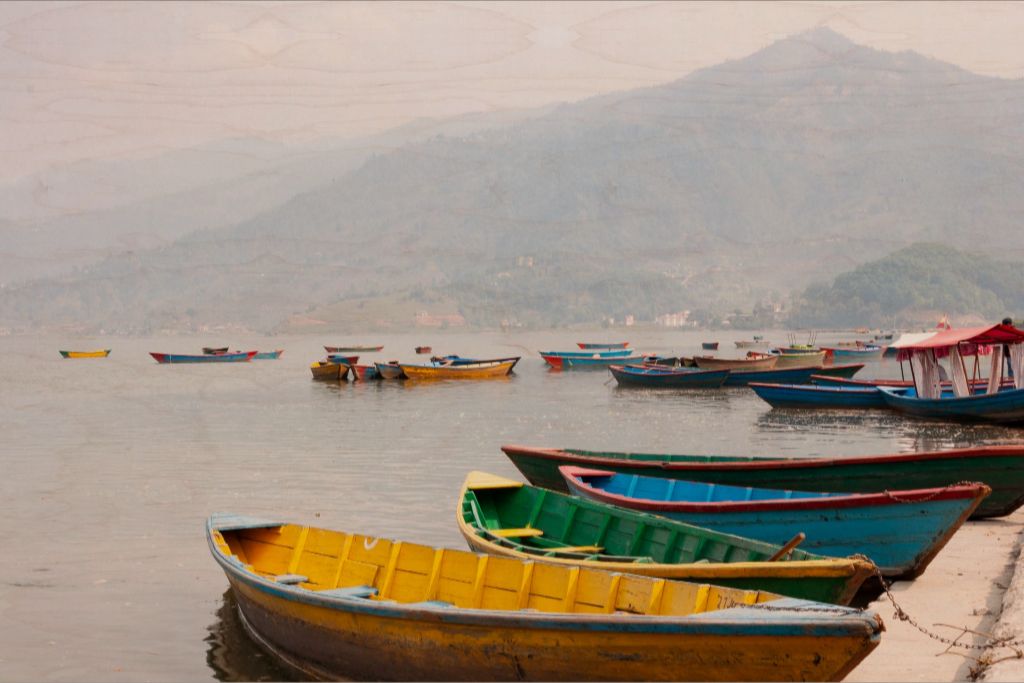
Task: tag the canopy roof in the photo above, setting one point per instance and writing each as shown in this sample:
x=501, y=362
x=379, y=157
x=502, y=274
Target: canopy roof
x=969, y=338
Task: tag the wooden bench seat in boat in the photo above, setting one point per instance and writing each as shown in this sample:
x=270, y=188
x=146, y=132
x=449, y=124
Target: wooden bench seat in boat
x=516, y=533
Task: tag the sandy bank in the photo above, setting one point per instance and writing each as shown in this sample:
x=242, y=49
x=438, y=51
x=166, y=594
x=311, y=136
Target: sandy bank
x=964, y=587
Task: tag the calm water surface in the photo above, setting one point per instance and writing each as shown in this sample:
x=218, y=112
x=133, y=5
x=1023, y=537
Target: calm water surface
x=111, y=467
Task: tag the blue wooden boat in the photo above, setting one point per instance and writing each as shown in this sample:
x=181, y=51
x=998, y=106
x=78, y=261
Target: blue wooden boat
x=999, y=404
x=596, y=345
x=268, y=355
x=818, y=396
x=240, y=356
x=866, y=352
x=741, y=378
x=566, y=360
x=342, y=358
x=390, y=370
x=661, y=377
x=1004, y=407
x=900, y=531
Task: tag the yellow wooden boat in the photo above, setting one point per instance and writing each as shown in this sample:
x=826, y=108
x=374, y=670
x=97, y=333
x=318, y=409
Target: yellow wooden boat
x=335, y=605
x=499, y=516
x=327, y=370
x=483, y=370
x=99, y=353
x=799, y=360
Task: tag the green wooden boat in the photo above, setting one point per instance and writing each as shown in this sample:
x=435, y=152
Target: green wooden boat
x=499, y=516
x=1001, y=467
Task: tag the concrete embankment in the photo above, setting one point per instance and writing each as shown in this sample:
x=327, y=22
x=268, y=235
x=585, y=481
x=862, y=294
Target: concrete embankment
x=963, y=588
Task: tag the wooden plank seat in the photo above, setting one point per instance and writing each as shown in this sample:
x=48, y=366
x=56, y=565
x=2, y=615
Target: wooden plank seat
x=577, y=549
x=516, y=533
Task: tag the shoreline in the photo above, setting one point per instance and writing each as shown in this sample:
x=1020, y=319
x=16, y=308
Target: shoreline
x=963, y=588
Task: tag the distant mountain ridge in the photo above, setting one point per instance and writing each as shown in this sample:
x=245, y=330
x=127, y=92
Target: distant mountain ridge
x=803, y=160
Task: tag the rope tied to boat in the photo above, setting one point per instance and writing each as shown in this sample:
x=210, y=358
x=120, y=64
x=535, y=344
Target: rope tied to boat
x=935, y=494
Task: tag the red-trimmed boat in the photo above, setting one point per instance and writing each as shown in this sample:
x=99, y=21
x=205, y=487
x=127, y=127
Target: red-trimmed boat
x=900, y=531
x=239, y=356
x=999, y=467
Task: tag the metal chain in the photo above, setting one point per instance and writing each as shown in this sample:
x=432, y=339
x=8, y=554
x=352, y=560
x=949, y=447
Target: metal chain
x=899, y=499
x=899, y=613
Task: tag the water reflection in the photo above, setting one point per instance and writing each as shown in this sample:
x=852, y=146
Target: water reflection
x=232, y=654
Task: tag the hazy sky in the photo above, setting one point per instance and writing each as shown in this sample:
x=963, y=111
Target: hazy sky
x=100, y=80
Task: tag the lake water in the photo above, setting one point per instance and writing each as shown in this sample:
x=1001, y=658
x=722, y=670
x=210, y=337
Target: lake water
x=111, y=467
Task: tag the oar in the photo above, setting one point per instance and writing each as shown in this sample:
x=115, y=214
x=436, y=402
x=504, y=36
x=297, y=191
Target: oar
x=784, y=550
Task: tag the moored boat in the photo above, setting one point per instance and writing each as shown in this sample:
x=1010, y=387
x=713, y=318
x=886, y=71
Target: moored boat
x=757, y=342
x=460, y=360
x=327, y=370
x=818, y=396
x=390, y=370
x=801, y=375
x=709, y=346
x=753, y=362
x=656, y=377
x=471, y=371
x=502, y=517
x=365, y=373
x=353, y=349
x=568, y=360
x=238, y=356
x=268, y=355
x=211, y=350
x=999, y=467
x=424, y=349
x=865, y=351
x=341, y=605
x=900, y=531
x=597, y=345
x=342, y=358
x=998, y=404
x=799, y=359
x=99, y=353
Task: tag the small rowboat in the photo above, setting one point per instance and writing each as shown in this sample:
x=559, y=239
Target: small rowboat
x=999, y=467
x=341, y=358
x=100, y=353
x=353, y=349
x=756, y=342
x=238, y=356
x=895, y=383
x=327, y=370
x=210, y=350
x=568, y=360
x=657, y=377
x=499, y=516
x=817, y=396
x=424, y=349
x=268, y=355
x=473, y=371
x=900, y=531
x=709, y=346
x=799, y=359
x=365, y=373
x=595, y=345
x=865, y=352
x=741, y=378
x=1006, y=406
x=459, y=360
x=390, y=370
x=756, y=362
x=339, y=605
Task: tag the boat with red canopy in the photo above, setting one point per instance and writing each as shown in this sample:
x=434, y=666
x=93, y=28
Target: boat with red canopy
x=994, y=402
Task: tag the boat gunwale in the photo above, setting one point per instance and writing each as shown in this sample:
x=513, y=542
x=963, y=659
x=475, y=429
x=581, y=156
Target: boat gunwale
x=572, y=475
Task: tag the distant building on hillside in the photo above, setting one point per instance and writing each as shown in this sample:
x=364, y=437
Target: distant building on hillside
x=425, y=319
x=680, y=319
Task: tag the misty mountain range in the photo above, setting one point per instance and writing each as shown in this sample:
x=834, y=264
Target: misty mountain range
x=739, y=183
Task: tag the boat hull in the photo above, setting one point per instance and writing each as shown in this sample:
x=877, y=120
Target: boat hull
x=741, y=378
x=900, y=532
x=323, y=370
x=348, y=637
x=1003, y=407
x=587, y=362
x=999, y=467
x=240, y=357
x=613, y=345
x=477, y=371
x=799, y=360
x=353, y=349
x=389, y=371
x=268, y=355
x=655, y=378
x=737, y=364
x=100, y=353
x=817, y=396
